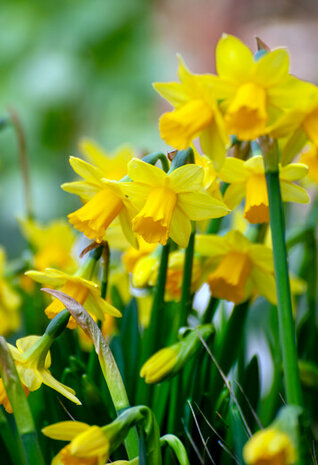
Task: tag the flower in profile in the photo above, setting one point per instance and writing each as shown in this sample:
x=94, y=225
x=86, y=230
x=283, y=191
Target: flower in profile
x=52, y=244
x=254, y=91
x=168, y=361
x=168, y=202
x=9, y=302
x=196, y=114
x=88, y=444
x=104, y=200
x=32, y=359
x=85, y=291
x=269, y=447
x=236, y=269
x=247, y=179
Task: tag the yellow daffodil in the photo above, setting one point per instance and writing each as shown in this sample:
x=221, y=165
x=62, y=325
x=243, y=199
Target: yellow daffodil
x=86, y=292
x=269, y=447
x=310, y=158
x=89, y=445
x=113, y=164
x=247, y=179
x=52, y=244
x=254, y=92
x=133, y=255
x=210, y=180
x=195, y=114
x=104, y=199
x=9, y=302
x=145, y=273
x=237, y=269
x=167, y=202
x=32, y=359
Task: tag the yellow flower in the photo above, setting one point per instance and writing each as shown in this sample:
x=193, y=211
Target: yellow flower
x=247, y=179
x=133, y=255
x=269, y=447
x=254, y=92
x=195, y=114
x=167, y=202
x=9, y=302
x=104, y=199
x=88, y=446
x=237, y=269
x=86, y=292
x=114, y=164
x=145, y=273
x=32, y=359
x=310, y=158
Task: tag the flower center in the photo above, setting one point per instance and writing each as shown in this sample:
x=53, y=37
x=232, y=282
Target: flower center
x=179, y=127
x=246, y=116
x=96, y=215
x=256, y=203
x=73, y=289
x=229, y=279
x=310, y=125
x=153, y=221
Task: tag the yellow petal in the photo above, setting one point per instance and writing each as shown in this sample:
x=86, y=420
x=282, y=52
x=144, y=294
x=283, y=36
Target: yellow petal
x=291, y=93
x=293, y=146
x=209, y=245
x=50, y=381
x=262, y=256
x=272, y=68
x=24, y=343
x=293, y=172
x=50, y=277
x=174, y=92
x=65, y=430
x=81, y=188
x=86, y=170
x=264, y=283
x=293, y=193
x=255, y=164
x=201, y=206
x=214, y=142
x=234, y=195
x=90, y=443
x=140, y=171
x=186, y=178
x=180, y=228
x=237, y=241
x=234, y=60
x=125, y=222
x=233, y=171
x=100, y=306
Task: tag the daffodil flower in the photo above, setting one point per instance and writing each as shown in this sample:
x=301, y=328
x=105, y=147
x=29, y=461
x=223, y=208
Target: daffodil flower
x=32, y=359
x=52, y=243
x=269, y=446
x=9, y=302
x=247, y=179
x=168, y=202
x=88, y=444
x=104, y=201
x=196, y=114
x=254, y=92
x=86, y=292
x=235, y=268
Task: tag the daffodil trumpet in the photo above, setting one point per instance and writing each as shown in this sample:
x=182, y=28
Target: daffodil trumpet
x=287, y=331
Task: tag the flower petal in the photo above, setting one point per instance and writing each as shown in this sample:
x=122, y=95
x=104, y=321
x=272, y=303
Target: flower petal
x=86, y=170
x=81, y=188
x=264, y=283
x=49, y=276
x=293, y=146
x=233, y=59
x=65, y=430
x=125, y=223
x=174, y=92
x=210, y=245
x=50, y=381
x=186, y=178
x=180, y=228
x=293, y=172
x=234, y=195
x=201, y=206
x=233, y=171
x=140, y=171
x=293, y=193
x=262, y=256
x=272, y=68
x=213, y=142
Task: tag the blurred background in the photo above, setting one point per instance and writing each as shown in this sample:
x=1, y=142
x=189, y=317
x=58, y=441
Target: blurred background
x=73, y=69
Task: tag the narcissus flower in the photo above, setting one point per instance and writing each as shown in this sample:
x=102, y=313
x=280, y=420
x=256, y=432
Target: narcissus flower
x=104, y=199
x=86, y=292
x=168, y=361
x=52, y=244
x=254, y=91
x=32, y=359
x=9, y=302
x=269, y=447
x=167, y=202
x=237, y=269
x=88, y=446
x=195, y=114
x=247, y=179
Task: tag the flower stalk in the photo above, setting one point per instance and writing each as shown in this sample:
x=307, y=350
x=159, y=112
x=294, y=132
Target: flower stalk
x=285, y=316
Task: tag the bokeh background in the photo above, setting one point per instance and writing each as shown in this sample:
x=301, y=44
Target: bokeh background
x=84, y=68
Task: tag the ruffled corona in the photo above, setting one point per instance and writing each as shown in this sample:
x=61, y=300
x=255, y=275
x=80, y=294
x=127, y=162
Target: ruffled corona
x=96, y=215
x=153, y=221
x=228, y=281
x=246, y=116
x=256, y=204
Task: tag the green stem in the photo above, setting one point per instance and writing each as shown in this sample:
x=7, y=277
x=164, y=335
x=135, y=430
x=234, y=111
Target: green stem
x=14, y=449
x=285, y=316
x=186, y=294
